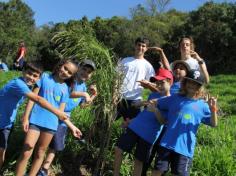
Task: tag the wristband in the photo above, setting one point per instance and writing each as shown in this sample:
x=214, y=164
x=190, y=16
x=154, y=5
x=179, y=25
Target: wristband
x=214, y=109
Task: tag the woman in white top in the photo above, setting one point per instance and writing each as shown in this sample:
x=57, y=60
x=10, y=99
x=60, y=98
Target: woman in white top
x=191, y=57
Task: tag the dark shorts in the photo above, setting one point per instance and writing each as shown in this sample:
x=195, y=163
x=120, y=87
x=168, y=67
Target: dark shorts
x=43, y=129
x=128, y=140
x=180, y=164
x=4, y=135
x=58, y=140
x=126, y=110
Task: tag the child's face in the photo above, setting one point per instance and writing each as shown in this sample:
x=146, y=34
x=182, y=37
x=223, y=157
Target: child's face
x=31, y=77
x=185, y=46
x=85, y=73
x=180, y=71
x=140, y=48
x=192, y=87
x=67, y=71
x=163, y=85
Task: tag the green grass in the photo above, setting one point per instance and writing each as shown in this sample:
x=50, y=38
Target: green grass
x=215, y=153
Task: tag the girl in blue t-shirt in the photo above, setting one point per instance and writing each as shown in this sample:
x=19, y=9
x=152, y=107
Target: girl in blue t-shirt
x=43, y=124
x=186, y=111
x=78, y=97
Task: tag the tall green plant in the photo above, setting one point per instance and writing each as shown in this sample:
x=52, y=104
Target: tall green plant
x=82, y=44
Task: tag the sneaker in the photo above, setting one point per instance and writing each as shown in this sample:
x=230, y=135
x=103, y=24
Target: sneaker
x=42, y=172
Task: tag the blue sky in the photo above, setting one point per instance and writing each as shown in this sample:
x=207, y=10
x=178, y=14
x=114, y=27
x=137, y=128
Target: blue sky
x=64, y=10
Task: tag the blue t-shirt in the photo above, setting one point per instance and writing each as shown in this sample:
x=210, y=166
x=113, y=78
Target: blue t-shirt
x=183, y=119
x=11, y=97
x=146, y=125
x=74, y=102
x=55, y=93
x=175, y=88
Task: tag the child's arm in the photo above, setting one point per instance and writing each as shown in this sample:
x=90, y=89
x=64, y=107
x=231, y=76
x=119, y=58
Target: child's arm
x=147, y=84
x=75, y=131
x=76, y=94
x=45, y=104
x=212, y=102
x=94, y=93
x=152, y=107
x=29, y=106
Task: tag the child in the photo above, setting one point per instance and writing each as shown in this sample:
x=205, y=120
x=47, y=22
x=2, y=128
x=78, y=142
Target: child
x=180, y=70
x=186, y=111
x=12, y=96
x=144, y=129
x=79, y=94
x=42, y=124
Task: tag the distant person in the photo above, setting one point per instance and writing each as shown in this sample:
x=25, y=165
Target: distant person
x=134, y=68
x=186, y=46
x=20, y=56
x=3, y=66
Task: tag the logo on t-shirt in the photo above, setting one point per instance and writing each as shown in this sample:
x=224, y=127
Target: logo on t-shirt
x=187, y=116
x=57, y=98
x=75, y=99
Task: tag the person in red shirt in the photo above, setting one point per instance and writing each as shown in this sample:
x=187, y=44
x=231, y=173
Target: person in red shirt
x=20, y=57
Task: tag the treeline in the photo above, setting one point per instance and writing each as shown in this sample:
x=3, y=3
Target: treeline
x=213, y=27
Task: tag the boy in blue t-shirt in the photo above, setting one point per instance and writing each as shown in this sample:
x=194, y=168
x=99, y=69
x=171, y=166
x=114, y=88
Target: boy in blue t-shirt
x=12, y=96
x=143, y=130
x=78, y=96
x=186, y=111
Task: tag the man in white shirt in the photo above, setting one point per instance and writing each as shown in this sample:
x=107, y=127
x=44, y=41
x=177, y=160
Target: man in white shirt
x=134, y=69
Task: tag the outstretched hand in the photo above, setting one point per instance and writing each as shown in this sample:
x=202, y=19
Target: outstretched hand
x=76, y=132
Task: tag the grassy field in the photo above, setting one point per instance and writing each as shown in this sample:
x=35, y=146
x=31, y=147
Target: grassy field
x=215, y=154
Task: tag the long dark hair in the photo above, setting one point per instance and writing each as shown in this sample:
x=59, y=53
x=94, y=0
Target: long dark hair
x=58, y=66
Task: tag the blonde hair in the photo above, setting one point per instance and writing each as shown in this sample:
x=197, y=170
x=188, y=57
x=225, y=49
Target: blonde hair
x=200, y=93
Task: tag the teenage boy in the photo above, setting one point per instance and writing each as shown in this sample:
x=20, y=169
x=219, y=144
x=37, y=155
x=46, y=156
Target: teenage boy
x=78, y=96
x=133, y=69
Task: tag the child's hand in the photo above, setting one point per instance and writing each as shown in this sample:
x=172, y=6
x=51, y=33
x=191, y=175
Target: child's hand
x=212, y=102
x=87, y=97
x=146, y=84
x=152, y=105
x=76, y=132
x=25, y=124
x=62, y=115
x=93, y=89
